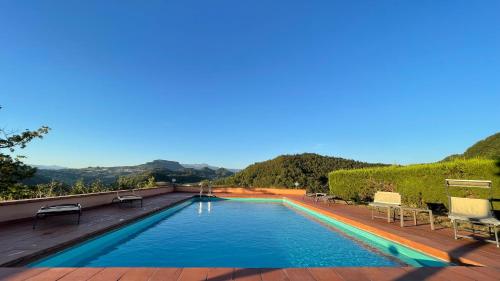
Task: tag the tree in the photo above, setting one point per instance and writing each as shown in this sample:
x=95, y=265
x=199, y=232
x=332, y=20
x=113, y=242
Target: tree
x=12, y=169
x=51, y=189
x=79, y=187
x=97, y=186
x=151, y=182
x=136, y=181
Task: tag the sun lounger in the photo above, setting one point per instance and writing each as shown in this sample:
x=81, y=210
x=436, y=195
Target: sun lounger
x=387, y=201
x=332, y=199
x=472, y=210
x=127, y=198
x=58, y=210
x=326, y=198
x=319, y=195
x=316, y=196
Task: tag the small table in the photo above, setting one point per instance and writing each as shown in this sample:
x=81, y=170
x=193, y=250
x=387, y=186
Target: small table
x=415, y=211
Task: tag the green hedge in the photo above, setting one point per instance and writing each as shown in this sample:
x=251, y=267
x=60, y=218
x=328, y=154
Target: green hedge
x=417, y=184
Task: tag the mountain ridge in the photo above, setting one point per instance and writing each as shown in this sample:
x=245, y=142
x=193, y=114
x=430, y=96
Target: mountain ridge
x=162, y=170
x=200, y=166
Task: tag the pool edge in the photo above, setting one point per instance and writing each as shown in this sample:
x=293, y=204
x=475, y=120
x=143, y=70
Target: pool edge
x=428, y=250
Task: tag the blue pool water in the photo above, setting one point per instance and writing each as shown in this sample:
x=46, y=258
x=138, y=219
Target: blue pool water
x=237, y=233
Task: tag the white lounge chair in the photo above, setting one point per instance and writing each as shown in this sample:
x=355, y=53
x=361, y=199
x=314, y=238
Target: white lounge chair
x=58, y=210
x=471, y=210
x=385, y=200
x=127, y=198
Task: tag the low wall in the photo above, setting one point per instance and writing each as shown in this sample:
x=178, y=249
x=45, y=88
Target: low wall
x=240, y=190
x=26, y=208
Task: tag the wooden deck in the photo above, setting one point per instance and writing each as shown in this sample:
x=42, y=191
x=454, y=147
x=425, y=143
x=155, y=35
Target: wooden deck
x=19, y=243
x=265, y=274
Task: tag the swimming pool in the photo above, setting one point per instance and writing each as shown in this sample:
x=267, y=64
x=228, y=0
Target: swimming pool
x=237, y=232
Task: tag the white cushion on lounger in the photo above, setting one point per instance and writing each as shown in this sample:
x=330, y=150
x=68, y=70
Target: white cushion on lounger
x=129, y=197
x=490, y=220
x=387, y=198
x=56, y=209
x=471, y=208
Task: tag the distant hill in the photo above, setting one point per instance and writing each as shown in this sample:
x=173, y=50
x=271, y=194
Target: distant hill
x=161, y=164
x=162, y=170
x=48, y=167
x=308, y=169
x=489, y=148
x=203, y=166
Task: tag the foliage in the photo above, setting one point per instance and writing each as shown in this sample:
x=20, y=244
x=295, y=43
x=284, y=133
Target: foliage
x=308, y=169
x=79, y=187
x=136, y=181
x=205, y=183
x=51, y=189
x=417, y=184
x=97, y=186
x=488, y=148
x=12, y=169
x=55, y=188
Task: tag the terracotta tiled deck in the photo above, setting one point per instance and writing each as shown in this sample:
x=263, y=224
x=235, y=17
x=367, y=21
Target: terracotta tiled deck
x=212, y=274
x=18, y=241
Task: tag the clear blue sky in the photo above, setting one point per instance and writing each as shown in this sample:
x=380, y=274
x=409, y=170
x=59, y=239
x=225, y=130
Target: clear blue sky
x=234, y=82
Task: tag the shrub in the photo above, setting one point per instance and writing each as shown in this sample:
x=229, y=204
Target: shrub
x=417, y=184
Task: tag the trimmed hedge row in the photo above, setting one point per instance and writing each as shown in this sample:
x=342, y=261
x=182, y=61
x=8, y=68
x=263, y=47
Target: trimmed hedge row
x=418, y=184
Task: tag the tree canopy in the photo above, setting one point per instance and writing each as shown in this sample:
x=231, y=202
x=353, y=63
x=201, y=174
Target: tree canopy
x=488, y=148
x=12, y=169
x=309, y=170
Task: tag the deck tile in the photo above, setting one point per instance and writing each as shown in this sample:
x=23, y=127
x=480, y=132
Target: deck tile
x=433, y=273
x=81, y=274
x=384, y=273
x=138, y=274
x=193, y=274
x=109, y=274
x=299, y=274
x=468, y=272
x=52, y=274
x=166, y=274
x=491, y=272
x=351, y=274
x=273, y=274
x=324, y=274
x=247, y=274
x=220, y=274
